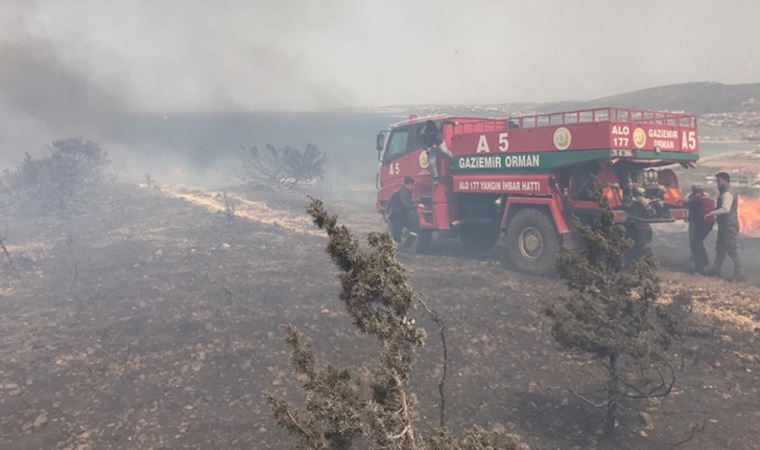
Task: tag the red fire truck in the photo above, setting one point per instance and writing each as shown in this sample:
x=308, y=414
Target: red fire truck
x=527, y=176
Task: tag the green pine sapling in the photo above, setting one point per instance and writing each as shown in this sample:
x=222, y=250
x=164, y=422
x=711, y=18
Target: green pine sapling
x=339, y=411
x=612, y=313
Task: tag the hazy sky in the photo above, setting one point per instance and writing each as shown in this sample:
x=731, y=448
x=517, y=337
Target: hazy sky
x=218, y=55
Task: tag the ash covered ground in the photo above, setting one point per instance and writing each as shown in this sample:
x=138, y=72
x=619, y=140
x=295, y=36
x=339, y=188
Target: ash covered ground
x=155, y=324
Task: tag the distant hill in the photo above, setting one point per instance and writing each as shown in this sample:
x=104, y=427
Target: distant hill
x=694, y=98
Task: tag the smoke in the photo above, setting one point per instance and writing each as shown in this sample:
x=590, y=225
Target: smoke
x=44, y=96
x=78, y=68
x=36, y=83
x=87, y=68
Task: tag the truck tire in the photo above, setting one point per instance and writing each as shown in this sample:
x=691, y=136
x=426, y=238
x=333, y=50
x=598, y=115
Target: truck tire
x=532, y=242
x=479, y=237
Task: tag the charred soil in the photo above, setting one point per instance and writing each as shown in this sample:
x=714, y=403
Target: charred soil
x=156, y=325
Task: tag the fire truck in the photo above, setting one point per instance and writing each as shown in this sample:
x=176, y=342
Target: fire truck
x=527, y=177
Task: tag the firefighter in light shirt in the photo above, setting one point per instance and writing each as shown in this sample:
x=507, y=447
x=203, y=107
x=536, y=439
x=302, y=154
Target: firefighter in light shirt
x=727, y=217
x=435, y=146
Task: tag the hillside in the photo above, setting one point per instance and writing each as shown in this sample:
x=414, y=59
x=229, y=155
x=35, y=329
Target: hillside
x=694, y=98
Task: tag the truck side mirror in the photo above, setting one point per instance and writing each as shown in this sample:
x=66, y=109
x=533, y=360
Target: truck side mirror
x=380, y=144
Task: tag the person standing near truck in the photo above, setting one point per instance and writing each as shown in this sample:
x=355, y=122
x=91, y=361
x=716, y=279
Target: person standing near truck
x=727, y=217
x=435, y=146
x=402, y=213
x=700, y=205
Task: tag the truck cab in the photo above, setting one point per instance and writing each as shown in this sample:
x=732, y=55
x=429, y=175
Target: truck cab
x=526, y=176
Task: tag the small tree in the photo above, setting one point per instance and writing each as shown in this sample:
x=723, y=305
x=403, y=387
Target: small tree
x=611, y=313
x=282, y=167
x=68, y=178
x=339, y=411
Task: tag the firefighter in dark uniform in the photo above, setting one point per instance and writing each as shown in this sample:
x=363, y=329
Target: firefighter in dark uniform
x=700, y=204
x=403, y=214
x=727, y=217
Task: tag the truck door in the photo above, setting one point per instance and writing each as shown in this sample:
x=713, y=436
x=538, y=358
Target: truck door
x=399, y=160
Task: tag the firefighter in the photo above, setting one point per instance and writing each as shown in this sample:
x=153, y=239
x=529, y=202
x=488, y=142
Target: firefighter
x=435, y=146
x=700, y=204
x=727, y=217
x=403, y=214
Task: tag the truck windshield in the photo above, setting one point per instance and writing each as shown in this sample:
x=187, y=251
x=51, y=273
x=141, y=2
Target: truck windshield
x=397, y=144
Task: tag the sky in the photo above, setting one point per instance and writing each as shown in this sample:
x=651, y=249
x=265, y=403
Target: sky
x=94, y=56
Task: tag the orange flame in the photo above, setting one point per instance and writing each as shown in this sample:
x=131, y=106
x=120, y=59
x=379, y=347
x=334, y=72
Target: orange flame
x=673, y=196
x=613, y=196
x=749, y=216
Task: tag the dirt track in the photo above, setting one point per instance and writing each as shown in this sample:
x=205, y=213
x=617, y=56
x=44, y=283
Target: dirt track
x=160, y=330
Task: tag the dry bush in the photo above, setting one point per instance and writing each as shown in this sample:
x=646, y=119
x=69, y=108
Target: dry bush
x=283, y=167
x=230, y=207
x=611, y=314
x=5, y=251
x=66, y=181
x=339, y=411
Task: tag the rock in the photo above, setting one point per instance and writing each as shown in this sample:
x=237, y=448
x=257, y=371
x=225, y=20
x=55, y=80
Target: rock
x=736, y=390
x=646, y=420
x=40, y=420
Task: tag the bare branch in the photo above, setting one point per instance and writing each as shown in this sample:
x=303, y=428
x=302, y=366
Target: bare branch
x=283, y=167
x=442, y=382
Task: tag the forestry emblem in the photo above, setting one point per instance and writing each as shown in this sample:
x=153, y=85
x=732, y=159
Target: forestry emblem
x=562, y=138
x=423, y=159
x=639, y=138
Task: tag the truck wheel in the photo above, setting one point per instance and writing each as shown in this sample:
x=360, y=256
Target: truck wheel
x=532, y=242
x=479, y=237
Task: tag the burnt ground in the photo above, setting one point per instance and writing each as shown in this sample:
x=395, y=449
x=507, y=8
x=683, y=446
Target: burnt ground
x=156, y=325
